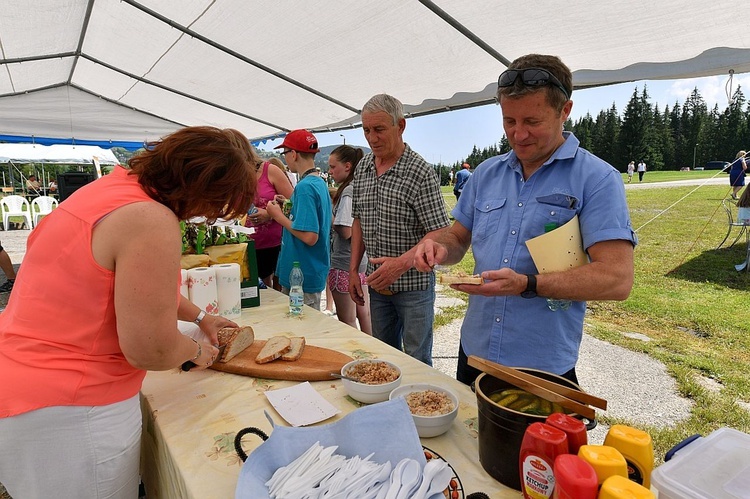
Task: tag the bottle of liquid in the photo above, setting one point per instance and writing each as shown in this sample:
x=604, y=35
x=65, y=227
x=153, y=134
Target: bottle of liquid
x=606, y=461
x=636, y=447
x=617, y=487
x=296, y=295
x=574, y=429
x=574, y=478
x=553, y=303
x=540, y=447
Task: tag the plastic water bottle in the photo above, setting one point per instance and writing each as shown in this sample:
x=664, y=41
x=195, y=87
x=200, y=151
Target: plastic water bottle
x=552, y=303
x=296, y=295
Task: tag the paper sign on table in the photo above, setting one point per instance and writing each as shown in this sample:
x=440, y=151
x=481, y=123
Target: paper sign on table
x=558, y=250
x=301, y=405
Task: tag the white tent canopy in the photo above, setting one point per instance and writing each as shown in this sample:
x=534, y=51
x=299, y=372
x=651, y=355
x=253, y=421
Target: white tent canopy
x=136, y=70
x=58, y=154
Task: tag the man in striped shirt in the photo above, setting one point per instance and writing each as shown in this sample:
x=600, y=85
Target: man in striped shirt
x=397, y=201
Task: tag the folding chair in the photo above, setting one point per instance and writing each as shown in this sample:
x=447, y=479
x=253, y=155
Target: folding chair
x=13, y=206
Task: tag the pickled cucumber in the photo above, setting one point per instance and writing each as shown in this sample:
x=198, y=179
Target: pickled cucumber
x=522, y=401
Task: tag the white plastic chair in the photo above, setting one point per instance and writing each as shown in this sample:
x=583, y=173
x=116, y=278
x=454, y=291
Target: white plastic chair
x=13, y=206
x=45, y=204
x=731, y=209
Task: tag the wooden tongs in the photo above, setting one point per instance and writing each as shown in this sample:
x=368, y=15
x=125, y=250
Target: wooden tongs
x=549, y=390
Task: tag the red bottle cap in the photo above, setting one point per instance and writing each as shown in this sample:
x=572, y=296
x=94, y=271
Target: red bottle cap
x=574, y=478
x=574, y=429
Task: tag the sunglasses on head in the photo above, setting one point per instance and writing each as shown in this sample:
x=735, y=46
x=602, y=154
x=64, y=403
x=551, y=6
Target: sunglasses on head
x=530, y=77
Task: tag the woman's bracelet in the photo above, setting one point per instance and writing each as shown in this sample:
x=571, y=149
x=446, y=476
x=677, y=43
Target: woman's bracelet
x=200, y=351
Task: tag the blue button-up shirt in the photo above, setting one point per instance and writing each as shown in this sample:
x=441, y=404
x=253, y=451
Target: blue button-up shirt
x=503, y=211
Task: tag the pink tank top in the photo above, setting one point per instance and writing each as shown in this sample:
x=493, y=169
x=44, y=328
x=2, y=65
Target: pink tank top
x=58, y=335
x=266, y=235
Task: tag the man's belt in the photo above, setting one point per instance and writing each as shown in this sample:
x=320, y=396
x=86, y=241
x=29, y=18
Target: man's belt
x=385, y=292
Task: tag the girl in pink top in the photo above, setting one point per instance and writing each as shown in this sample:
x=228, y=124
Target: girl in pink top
x=95, y=305
x=271, y=181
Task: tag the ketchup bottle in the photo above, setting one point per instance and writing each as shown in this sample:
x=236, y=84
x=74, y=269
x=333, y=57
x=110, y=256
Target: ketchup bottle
x=541, y=444
x=573, y=428
x=574, y=478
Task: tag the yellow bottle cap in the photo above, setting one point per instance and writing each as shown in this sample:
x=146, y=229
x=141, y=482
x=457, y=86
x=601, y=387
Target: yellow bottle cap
x=617, y=487
x=606, y=461
x=633, y=436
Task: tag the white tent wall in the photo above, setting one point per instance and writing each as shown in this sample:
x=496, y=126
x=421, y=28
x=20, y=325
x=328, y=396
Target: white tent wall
x=136, y=70
x=57, y=154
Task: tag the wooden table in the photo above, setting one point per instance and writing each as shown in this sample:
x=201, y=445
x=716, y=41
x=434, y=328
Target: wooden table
x=191, y=419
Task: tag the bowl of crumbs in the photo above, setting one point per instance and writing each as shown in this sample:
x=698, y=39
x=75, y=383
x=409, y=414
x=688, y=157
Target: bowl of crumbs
x=433, y=407
x=375, y=379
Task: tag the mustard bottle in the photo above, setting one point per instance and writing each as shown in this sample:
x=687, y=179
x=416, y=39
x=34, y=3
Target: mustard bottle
x=606, y=461
x=636, y=447
x=618, y=487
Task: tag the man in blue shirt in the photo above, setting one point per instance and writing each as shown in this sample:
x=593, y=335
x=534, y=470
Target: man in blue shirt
x=462, y=176
x=546, y=179
x=307, y=231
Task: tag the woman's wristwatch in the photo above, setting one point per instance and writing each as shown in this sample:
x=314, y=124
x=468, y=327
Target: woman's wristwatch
x=200, y=317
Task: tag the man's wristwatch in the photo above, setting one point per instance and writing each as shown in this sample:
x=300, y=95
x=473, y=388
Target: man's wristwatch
x=530, y=291
x=200, y=317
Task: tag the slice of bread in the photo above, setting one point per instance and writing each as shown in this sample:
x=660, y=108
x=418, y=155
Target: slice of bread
x=274, y=348
x=236, y=339
x=298, y=345
x=460, y=279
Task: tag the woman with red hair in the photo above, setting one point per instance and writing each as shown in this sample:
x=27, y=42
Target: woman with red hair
x=96, y=305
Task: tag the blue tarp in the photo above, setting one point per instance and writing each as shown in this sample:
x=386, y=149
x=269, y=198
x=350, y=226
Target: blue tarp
x=48, y=141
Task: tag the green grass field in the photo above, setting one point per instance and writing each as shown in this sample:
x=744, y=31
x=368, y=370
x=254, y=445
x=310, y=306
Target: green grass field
x=687, y=297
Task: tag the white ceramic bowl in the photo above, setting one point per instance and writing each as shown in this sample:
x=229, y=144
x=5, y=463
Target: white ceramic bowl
x=369, y=394
x=429, y=426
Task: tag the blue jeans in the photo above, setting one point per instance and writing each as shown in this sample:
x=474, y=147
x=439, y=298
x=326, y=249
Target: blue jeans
x=404, y=320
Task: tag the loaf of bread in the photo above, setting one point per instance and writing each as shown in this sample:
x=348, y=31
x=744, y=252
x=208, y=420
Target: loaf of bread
x=236, y=339
x=274, y=348
x=295, y=352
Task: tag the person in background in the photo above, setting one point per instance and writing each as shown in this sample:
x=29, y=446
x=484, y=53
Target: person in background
x=743, y=211
x=631, y=170
x=307, y=231
x=396, y=202
x=69, y=401
x=10, y=273
x=271, y=181
x=737, y=173
x=545, y=179
x=641, y=170
x=291, y=176
x=53, y=186
x=330, y=309
x=341, y=163
x=32, y=183
x=462, y=176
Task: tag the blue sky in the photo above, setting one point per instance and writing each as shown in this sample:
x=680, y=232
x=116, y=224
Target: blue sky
x=449, y=137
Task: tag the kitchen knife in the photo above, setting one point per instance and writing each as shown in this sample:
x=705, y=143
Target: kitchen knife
x=189, y=364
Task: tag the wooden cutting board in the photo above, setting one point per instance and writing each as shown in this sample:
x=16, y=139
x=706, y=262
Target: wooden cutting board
x=316, y=364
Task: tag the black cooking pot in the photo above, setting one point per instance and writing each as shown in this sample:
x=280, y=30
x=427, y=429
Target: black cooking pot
x=501, y=430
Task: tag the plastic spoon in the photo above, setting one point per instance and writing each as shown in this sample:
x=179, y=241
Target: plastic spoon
x=396, y=479
x=430, y=470
x=439, y=483
x=341, y=376
x=410, y=477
